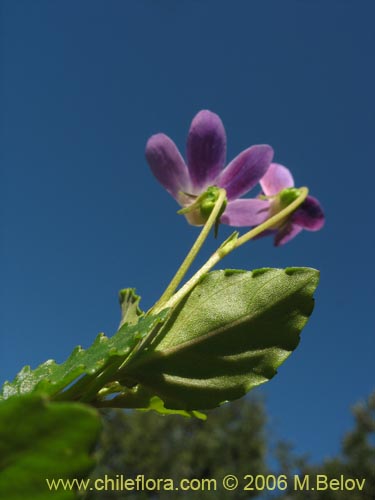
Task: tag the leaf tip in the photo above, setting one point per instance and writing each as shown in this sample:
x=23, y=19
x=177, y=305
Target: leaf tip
x=312, y=275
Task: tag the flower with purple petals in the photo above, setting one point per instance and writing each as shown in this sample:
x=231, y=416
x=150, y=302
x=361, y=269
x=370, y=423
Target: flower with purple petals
x=278, y=188
x=206, y=153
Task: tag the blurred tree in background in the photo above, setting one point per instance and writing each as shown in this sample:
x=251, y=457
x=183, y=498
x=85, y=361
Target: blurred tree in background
x=233, y=440
x=356, y=460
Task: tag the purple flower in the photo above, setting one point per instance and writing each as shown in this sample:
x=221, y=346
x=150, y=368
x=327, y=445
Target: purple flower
x=278, y=185
x=206, y=152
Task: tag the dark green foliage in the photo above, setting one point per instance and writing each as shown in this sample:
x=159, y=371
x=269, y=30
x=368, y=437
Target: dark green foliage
x=41, y=440
x=357, y=461
x=231, y=440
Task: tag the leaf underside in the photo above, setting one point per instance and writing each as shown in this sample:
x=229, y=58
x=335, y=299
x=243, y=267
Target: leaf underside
x=229, y=335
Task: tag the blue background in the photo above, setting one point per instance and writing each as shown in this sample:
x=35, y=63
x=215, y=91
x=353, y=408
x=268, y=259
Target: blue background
x=86, y=83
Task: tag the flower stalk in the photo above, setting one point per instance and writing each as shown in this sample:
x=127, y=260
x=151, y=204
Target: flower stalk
x=227, y=247
x=176, y=280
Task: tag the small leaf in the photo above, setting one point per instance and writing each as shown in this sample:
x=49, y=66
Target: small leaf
x=51, y=378
x=229, y=335
x=130, y=310
x=141, y=399
x=229, y=244
x=40, y=440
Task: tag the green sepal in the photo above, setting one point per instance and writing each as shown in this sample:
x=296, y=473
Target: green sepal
x=208, y=201
x=201, y=207
x=287, y=196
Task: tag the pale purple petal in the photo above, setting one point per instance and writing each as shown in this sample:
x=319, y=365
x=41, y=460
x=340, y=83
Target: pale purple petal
x=309, y=215
x=287, y=233
x=249, y=212
x=206, y=149
x=245, y=171
x=167, y=164
x=276, y=179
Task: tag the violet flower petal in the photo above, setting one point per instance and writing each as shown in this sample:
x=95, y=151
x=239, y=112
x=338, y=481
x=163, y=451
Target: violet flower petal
x=276, y=179
x=245, y=170
x=167, y=164
x=248, y=212
x=206, y=149
x=287, y=233
x=309, y=215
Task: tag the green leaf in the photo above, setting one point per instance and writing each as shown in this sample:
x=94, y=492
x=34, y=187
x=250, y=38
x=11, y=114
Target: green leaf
x=41, y=440
x=51, y=378
x=141, y=399
x=230, y=334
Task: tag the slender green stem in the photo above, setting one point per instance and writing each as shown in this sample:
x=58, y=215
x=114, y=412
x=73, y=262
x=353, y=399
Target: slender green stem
x=112, y=388
x=231, y=244
x=100, y=381
x=176, y=280
x=75, y=391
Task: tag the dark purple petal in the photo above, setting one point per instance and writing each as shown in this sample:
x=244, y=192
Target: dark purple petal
x=167, y=164
x=287, y=233
x=206, y=149
x=245, y=170
x=249, y=212
x=309, y=215
x=276, y=179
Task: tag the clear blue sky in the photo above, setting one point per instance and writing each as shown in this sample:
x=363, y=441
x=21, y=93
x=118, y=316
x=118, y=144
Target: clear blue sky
x=86, y=83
